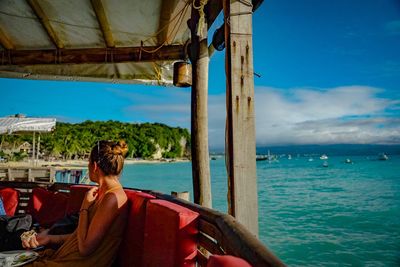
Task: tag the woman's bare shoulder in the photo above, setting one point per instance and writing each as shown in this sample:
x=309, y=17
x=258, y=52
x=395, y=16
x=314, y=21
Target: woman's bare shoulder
x=117, y=197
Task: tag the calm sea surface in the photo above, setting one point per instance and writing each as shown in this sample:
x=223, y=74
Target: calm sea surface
x=309, y=215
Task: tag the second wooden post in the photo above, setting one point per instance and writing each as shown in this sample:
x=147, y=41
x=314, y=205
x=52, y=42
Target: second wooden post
x=199, y=117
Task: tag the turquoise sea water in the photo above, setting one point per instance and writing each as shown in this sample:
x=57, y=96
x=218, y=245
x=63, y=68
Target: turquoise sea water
x=309, y=215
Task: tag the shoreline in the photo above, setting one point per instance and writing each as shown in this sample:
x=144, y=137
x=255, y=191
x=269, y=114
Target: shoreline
x=81, y=163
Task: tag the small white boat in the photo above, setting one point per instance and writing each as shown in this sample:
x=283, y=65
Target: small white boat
x=310, y=159
x=323, y=157
x=348, y=161
x=289, y=156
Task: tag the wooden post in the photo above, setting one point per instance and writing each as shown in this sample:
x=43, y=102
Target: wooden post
x=52, y=171
x=38, y=147
x=30, y=175
x=242, y=177
x=69, y=176
x=10, y=175
x=199, y=116
x=33, y=148
x=182, y=195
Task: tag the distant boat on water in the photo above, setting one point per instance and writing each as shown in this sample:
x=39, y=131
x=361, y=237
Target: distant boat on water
x=348, y=161
x=323, y=157
x=270, y=157
x=289, y=156
x=261, y=157
x=383, y=156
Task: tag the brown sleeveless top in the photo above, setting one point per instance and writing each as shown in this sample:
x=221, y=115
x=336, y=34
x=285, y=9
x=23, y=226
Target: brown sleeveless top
x=104, y=255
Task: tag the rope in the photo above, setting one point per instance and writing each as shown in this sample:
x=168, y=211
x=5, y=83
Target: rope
x=140, y=51
x=158, y=73
x=201, y=25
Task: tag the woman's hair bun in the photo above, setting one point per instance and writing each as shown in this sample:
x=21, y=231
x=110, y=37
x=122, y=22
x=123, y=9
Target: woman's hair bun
x=120, y=148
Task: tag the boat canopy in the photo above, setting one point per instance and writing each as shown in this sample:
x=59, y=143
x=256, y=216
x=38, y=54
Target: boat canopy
x=9, y=125
x=99, y=40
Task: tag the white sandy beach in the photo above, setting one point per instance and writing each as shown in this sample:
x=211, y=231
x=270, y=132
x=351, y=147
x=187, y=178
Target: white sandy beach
x=80, y=163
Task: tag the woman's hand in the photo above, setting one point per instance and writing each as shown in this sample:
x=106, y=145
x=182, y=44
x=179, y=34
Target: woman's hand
x=40, y=239
x=90, y=197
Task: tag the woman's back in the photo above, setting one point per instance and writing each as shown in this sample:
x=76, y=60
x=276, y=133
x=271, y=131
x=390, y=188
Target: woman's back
x=68, y=254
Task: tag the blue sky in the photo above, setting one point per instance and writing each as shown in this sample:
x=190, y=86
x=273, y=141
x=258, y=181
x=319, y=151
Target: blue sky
x=330, y=72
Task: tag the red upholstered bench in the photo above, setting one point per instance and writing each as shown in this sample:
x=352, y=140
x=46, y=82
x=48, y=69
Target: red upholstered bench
x=76, y=195
x=170, y=238
x=10, y=198
x=46, y=207
x=131, y=248
x=226, y=261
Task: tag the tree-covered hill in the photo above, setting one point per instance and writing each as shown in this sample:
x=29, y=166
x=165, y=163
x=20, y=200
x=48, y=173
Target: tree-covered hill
x=74, y=141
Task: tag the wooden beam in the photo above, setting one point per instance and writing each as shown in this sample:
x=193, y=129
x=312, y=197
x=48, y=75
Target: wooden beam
x=94, y=55
x=103, y=21
x=167, y=9
x=46, y=23
x=199, y=116
x=5, y=40
x=242, y=177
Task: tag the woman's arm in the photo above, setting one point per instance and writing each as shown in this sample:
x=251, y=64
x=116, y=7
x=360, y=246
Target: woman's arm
x=58, y=239
x=90, y=234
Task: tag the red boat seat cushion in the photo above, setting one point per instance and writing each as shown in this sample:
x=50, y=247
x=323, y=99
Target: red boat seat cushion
x=131, y=248
x=76, y=195
x=170, y=238
x=226, y=261
x=46, y=207
x=10, y=198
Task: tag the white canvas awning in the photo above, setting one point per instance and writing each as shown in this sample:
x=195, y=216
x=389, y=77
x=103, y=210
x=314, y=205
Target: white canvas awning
x=9, y=125
x=126, y=41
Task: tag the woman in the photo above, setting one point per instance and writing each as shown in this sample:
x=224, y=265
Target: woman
x=102, y=216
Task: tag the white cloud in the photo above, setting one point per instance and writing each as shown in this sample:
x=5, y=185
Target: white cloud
x=352, y=114
x=348, y=114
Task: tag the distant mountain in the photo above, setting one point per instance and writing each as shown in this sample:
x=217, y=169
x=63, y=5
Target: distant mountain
x=332, y=150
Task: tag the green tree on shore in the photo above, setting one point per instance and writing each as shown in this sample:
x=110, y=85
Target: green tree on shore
x=74, y=141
